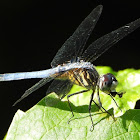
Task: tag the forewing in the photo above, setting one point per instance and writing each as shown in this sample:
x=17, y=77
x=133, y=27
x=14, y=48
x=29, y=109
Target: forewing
x=102, y=44
x=73, y=46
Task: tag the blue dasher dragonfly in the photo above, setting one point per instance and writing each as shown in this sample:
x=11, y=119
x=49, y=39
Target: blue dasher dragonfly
x=73, y=65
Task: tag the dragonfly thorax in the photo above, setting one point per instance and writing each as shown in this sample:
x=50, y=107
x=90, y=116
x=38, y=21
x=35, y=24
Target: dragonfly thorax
x=85, y=77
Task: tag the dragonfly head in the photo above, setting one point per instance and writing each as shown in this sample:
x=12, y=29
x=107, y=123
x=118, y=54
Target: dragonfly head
x=108, y=83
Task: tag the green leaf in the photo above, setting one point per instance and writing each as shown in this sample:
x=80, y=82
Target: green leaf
x=48, y=120
x=129, y=82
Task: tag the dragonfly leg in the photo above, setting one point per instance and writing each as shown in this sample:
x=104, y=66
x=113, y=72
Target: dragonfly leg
x=98, y=96
x=91, y=99
x=115, y=102
x=69, y=102
x=104, y=110
x=100, y=104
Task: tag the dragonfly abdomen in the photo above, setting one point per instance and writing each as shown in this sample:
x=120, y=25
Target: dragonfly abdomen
x=43, y=73
x=26, y=75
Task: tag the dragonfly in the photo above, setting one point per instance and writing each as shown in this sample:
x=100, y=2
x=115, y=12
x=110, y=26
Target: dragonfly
x=72, y=64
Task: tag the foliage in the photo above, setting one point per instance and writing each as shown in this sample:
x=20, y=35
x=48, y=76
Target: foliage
x=43, y=122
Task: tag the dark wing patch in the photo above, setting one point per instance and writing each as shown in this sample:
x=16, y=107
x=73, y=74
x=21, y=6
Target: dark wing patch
x=60, y=87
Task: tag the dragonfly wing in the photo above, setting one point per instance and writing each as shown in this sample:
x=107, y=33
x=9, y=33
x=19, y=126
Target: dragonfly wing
x=60, y=87
x=102, y=44
x=41, y=83
x=73, y=46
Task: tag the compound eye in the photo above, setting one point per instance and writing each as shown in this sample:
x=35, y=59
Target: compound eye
x=114, y=79
x=108, y=82
x=114, y=82
x=105, y=82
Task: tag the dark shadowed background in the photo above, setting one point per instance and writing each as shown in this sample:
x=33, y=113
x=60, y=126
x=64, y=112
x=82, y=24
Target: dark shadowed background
x=31, y=32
